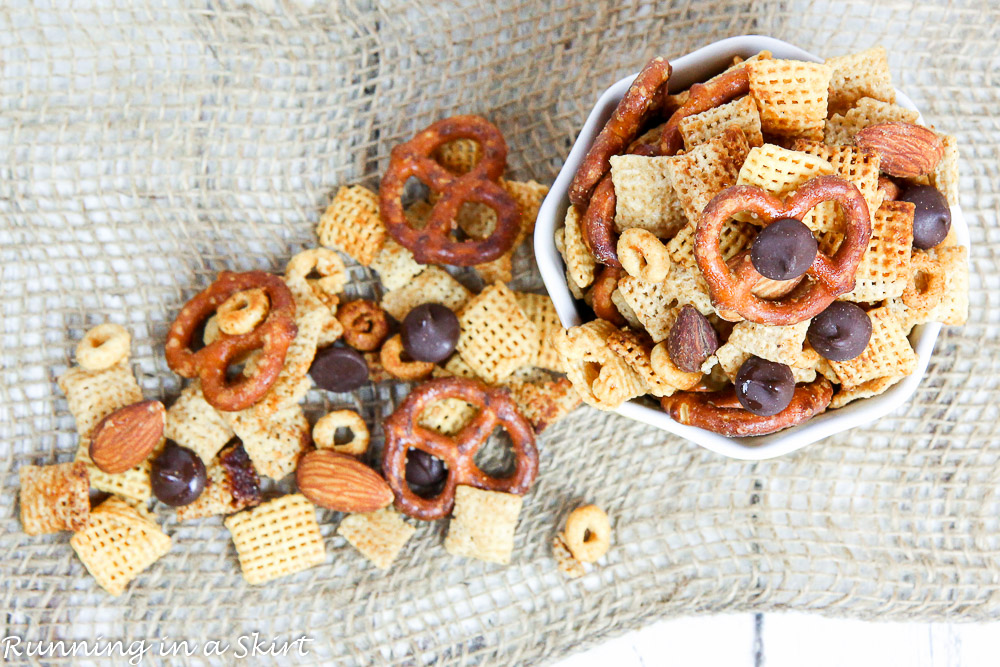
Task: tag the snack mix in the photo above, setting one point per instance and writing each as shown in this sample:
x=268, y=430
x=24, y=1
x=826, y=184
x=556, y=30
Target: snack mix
x=253, y=344
x=758, y=248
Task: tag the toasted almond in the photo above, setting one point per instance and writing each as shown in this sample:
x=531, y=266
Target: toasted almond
x=906, y=150
x=341, y=482
x=691, y=340
x=124, y=438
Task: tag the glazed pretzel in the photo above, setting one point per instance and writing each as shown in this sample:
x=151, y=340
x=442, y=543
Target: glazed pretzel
x=721, y=412
x=272, y=337
x=402, y=431
x=831, y=276
x=647, y=93
x=703, y=96
x=600, y=296
x=432, y=243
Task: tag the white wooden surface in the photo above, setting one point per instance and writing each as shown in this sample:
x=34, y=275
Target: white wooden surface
x=793, y=640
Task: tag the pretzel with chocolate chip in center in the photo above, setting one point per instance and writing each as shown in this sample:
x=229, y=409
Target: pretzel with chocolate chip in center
x=210, y=364
x=830, y=276
x=721, y=412
x=432, y=243
x=403, y=431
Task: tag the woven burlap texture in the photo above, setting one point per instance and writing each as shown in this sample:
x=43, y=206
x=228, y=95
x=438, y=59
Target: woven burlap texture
x=149, y=145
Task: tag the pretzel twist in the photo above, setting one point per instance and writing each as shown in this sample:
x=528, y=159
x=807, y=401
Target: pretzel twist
x=721, y=412
x=432, y=243
x=403, y=431
x=272, y=337
x=831, y=276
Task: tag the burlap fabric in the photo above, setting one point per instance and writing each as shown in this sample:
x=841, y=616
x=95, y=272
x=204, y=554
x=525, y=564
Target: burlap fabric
x=148, y=146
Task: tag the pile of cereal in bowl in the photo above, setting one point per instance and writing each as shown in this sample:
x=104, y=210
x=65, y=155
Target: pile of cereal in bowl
x=756, y=249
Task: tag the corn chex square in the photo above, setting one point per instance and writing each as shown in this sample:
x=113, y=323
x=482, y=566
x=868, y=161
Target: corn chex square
x=654, y=306
x=731, y=357
x=888, y=352
x=459, y=156
x=945, y=175
x=645, y=197
x=637, y=353
x=118, y=543
x=856, y=165
x=496, y=337
x=735, y=237
x=275, y=442
x=873, y=387
x=580, y=264
x=193, y=423
x=841, y=128
x=395, y=265
x=742, y=112
x=857, y=75
x=707, y=170
x=544, y=402
x=791, y=96
x=542, y=312
x=954, y=306
x=351, y=224
x=482, y=524
x=378, y=535
x=781, y=171
x=91, y=396
x=277, y=538
x=447, y=416
x=231, y=484
x=433, y=285
x=54, y=497
x=885, y=266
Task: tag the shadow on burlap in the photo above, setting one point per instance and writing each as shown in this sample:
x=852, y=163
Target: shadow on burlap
x=149, y=147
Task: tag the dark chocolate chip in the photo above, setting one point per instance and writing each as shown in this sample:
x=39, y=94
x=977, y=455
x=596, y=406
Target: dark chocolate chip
x=339, y=369
x=841, y=332
x=429, y=332
x=783, y=250
x=177, y=475
x=764, y=387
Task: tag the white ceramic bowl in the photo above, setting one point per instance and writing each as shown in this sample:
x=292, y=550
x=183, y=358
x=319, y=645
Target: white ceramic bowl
x=694, y=67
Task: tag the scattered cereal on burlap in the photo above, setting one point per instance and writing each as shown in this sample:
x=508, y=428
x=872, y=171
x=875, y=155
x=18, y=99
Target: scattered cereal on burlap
x=645, y=196
x=780, y=344
x=432, y=285
x=104, y=346
x=54, y=497
x=857, y=75
x=741, y=112
x=193, y=423
x=885, y=266
x=277, y=538
x=482, y=524
x=379, y=536
x=888, y=352
x=326, y=430
x=565, y=562
x=231, y=484
x=118, y=543
x=351, y=224
x=791, y=96
x=496, y=337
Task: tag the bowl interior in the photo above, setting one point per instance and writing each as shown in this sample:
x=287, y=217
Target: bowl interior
x=698, y=66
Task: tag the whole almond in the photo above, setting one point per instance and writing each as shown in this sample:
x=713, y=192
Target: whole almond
x=691, y=340
x=124, y=438
x=340, y=482
x=906, y=150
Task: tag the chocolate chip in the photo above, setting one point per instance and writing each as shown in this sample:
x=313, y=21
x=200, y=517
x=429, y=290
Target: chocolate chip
x=931, y=215
x=691, y=340
x=177, y=476
x=425, y=473
x=764, y=387
x=429, y=332
x=841, y=332
x=783, y=250
x=339, y=369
